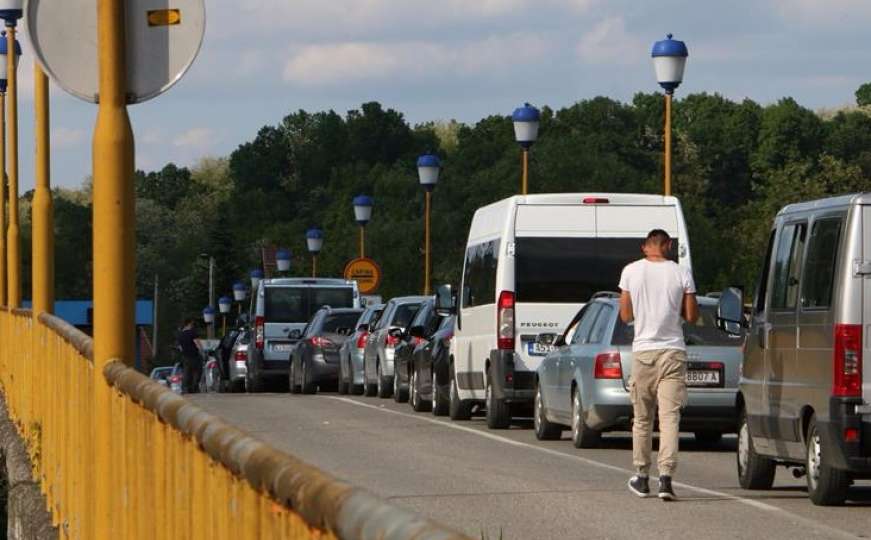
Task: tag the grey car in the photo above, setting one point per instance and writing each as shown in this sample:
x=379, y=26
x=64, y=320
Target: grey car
x=380, y=345
x=583, y=383
x=315, y=359
x=805, y=399
x=237, y=366
x=351, y=353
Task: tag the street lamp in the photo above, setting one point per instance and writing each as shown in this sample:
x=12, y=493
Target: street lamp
x=526, y=120
x=282, y=260
x=240, y=292
x=10, y=12
x=209, y=315
x=224, y=305
x=362, y=214
x=428, y=169
x=314, y=239
x=669, y=60
x=256, y=276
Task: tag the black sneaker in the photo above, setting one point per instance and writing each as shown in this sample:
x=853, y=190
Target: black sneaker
x=640, y=486
x=666, y=493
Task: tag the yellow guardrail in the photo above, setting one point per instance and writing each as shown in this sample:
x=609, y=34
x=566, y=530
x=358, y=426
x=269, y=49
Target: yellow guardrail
x=176, y=471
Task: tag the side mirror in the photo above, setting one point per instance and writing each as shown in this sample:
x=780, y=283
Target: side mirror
x=560, y=341
x=417, y=331
x=395, y=332
x=730, y=311
x=295, y=334
x=446, y=300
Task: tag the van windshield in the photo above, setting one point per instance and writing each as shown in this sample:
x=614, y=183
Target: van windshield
x=298, y=304
x=570, y=270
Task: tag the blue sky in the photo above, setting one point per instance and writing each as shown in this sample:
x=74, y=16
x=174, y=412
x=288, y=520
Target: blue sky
x=462, y=59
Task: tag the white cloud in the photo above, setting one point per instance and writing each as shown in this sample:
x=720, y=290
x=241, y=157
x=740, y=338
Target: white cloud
x=339, y=63
x=63, y=138
x=198, y=138
x=608, y=42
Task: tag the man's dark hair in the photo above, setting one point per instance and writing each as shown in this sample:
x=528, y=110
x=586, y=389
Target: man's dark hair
x=658, y=237
x=187, y=321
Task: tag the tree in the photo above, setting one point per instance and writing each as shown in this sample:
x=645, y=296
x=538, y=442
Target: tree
x=863, y=95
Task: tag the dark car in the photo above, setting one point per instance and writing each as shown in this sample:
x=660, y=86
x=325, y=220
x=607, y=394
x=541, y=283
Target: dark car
x=430, y=376
x=426, y=318
x=314, y=361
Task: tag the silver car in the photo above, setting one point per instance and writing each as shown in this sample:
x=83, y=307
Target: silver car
x=351, y=354
x=583, y=383
x=161, y=374
x=238, y=363
x=380, y=345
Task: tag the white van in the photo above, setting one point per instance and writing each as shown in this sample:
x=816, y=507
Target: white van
x=531, y=262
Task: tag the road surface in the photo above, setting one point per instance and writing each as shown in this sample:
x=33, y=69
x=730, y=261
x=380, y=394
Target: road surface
x=507, y=484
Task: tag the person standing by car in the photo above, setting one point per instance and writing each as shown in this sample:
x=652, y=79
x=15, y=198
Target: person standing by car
x=190, y=353
x=655, y=293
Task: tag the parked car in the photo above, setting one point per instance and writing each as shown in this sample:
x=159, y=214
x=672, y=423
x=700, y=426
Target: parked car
x=282, y=308
x=583, y=384
x=426, y=320
x=315, y=360
x=176, y=378
x=351, y=353
x=237, y=365
x=805, y=399
x=378, y=354
x=530, y=263
x=160, y=374
x=430, y=378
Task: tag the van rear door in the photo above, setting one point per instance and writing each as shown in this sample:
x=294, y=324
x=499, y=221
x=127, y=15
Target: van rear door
x=866, y=304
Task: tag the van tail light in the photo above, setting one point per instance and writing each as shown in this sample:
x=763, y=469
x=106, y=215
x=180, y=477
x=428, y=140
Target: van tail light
x=361, y=341
x=240, y=356
x=320, y=341
x=608, y=366
x=259, y=332
x=505, y=321
x=847, y=379
x=392, y=341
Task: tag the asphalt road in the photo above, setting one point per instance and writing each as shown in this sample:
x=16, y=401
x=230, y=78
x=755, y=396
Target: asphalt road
x=506, y=484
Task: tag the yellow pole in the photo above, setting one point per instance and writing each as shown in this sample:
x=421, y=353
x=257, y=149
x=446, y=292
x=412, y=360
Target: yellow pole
x=426, y=247
x=362, y=241
x=43, y=219
x=314, y=265
x=114, y=247
x=668, y=144
x=13, y=238
x=3, y=198
x=525, y=187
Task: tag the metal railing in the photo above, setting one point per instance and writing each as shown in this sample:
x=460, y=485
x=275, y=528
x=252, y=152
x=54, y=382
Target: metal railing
x=176, y=471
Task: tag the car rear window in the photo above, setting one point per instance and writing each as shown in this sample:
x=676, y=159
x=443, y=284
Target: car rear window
x=703, y=333
x=334, y=321
x=404, y=314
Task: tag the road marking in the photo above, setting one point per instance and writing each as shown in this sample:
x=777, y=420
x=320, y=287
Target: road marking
x=607, y=466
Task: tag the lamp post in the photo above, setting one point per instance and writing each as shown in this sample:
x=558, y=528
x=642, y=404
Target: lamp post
x=526, y=121
x=428, y=169
x=282, y=260
x=362, y=214
x=669, y=60
x=10, y=12
x=224, y=305
x=314, y=239
x=4, y=69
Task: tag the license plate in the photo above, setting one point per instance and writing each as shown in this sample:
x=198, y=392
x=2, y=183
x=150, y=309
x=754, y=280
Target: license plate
x=538, y=349
x=282, y=347
x=698, y=377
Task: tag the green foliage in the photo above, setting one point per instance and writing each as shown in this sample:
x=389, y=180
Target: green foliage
x=735, y=164
x=863, y=95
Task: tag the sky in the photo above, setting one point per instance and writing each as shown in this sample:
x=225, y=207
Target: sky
x=460, y=59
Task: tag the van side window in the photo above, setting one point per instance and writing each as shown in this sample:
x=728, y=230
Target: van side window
x=762, y=289
x=586, y=324
x=787, y=266
x=479, y=276
x=819, y=270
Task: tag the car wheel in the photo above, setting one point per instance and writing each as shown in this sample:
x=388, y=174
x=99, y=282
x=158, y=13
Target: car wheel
x=308, y=385
x=754, y=471
x=545, y=430
x=582, y=435
x=237, y=386
x=343, y=385
x=459, y=409
x=400, y=394
x=385, y=386
x=291, y=378
x=253, y=379
x=708, y=437
x=826, y=485
x=369, y=389
x=498, y=412
x=440, y=401
x=417, y=402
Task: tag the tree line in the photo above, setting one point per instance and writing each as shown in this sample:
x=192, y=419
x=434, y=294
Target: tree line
x=735, y=164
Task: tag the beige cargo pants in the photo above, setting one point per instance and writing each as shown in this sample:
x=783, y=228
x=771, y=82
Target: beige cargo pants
x=658, y=380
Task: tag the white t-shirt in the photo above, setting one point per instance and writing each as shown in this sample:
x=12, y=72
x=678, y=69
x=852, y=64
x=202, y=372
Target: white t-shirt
x=657, y=290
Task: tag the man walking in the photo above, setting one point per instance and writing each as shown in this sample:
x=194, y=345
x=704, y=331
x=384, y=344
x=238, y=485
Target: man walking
x=656, y=293
x=190, y=356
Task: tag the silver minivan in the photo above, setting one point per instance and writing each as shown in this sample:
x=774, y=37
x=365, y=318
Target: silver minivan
x=282, y=308
x=804, y=398
x=380, y=345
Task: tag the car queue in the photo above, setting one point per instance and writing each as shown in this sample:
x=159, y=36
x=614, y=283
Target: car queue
x=534, y=330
